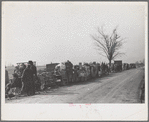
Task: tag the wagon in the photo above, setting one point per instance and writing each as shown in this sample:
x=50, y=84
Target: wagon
x=52, y=78
x=46, y=77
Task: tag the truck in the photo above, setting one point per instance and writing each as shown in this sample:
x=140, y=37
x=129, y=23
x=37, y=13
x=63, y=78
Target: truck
x=118, y=65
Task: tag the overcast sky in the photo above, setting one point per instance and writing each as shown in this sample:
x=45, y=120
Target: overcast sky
x=55, y=32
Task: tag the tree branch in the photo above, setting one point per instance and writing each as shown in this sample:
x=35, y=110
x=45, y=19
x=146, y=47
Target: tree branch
x=108, y=45
x=99, y=42
x=117, y=54
x=105, y=51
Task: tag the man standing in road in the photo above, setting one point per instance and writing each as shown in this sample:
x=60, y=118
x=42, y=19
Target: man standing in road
x=34, y=76
x=27, y=78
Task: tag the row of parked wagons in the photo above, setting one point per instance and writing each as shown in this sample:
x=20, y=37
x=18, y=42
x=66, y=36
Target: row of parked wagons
x=52, y=77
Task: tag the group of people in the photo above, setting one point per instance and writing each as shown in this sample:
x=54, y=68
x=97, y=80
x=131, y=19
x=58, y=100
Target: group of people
x=74, y=72
x=81, y=72
x=24, y=77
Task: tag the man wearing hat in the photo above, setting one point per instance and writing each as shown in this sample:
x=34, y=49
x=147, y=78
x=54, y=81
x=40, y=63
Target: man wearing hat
x=27, y=78
x=34, y=76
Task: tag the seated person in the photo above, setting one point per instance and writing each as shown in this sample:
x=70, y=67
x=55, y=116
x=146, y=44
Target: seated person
x=16, y=81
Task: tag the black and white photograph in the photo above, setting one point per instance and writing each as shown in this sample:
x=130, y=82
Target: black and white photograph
x=63, y=59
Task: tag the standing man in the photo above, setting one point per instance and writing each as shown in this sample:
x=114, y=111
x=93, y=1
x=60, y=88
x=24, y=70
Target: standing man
x=34, y=76
x=69, y=71
x=27, y=77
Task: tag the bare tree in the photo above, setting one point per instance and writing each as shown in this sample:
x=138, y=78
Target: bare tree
x=108, y=45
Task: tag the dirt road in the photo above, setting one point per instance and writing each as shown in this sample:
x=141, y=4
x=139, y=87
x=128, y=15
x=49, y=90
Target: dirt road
x=120, y=87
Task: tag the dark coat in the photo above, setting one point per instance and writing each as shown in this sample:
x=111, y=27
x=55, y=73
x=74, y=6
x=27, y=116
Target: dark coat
x=27, y=75
x=34, y=70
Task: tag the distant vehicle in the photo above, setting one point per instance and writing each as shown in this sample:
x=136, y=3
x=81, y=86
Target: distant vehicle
x=132, y=65
x=118, y=65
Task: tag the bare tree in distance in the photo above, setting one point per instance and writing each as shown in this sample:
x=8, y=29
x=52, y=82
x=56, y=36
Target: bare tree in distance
x=108, y=45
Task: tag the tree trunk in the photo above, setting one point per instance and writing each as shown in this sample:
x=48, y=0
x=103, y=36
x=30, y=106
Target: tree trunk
x=110, y=63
